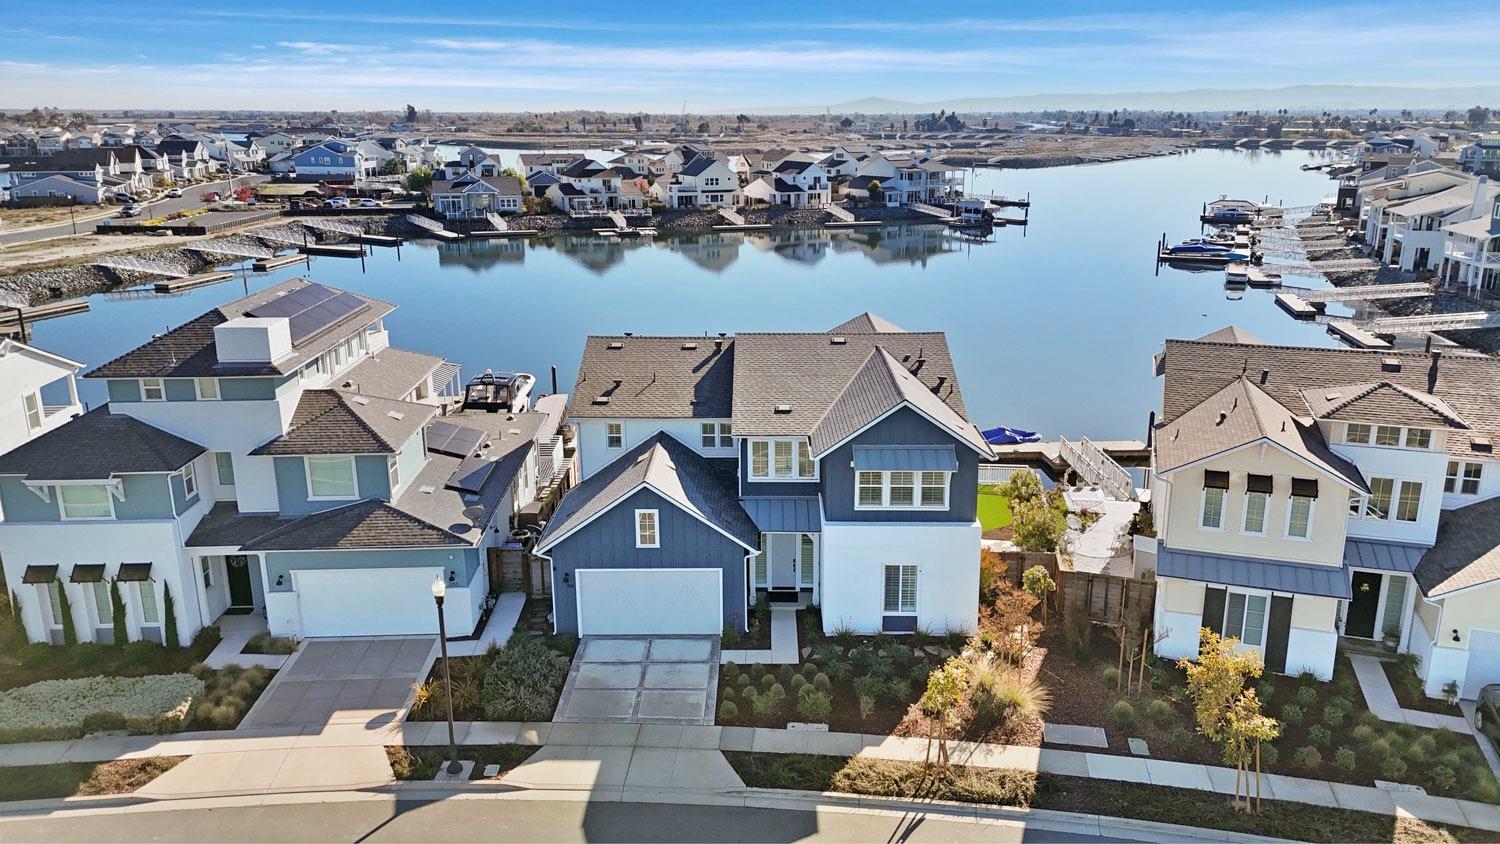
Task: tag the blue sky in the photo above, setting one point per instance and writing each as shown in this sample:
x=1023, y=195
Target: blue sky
x=654, y=56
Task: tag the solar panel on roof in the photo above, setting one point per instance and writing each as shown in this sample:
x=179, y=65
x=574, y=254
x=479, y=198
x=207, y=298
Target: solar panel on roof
x=471, y=474
x=294, y=302
x=453, y=440
x=310, y=309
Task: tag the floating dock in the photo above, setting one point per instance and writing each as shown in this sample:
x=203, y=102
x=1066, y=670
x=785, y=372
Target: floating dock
x=846, y=224
x=1048, y=456
x=1241, y=272
x=177, y=285
x=14, y=317
x=267, y=264
x=748, y=227
x=1356, y=336
x=1298, y=307
x=378, y=239
x=1166, y=256
x=488, y=233
x=333, y=250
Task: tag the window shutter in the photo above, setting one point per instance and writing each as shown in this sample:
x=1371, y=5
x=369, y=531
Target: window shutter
x=1215, y=479
x=1279, y=634
x=1213, y=609
x=1305, y=487
x=1258, y=483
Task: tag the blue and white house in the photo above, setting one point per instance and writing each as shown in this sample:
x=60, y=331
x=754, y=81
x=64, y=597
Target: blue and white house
x=275, y=456
x=832, y=468
x=331, y=159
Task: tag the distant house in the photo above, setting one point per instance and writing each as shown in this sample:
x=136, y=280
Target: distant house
x=188, y=156
x=586, y=185
x=57, y=185
x=703, y=181
x=335, y=160
x=548, y=162
x=274, y=143
x=39, y=389
x=472, y=195
x=906, y=179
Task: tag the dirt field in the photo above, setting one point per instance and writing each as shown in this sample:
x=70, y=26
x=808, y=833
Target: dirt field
x=25, y=218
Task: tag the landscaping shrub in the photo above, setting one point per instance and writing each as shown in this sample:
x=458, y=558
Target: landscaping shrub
x=1422, y=749
x=228, y=693
x=1379, y=750
x=1291, y=715
x=523, y=681
x=34, y=655
x=1361, y=734
x=1078, y=636
x=85, y=655
x=141, y=654
x=1393, y=768
x=1307, y=757
x=869, y=686
x=919, y=674
x=1000, y=693
x=1307, y=696
x=1333, y=715
x=1269, y=755
x=728, y=693
x=1443, y=778
x=866, y=706
x=1160, y=712
x=785, y=674
x=821, y=682
x=809, y=670
x=767, y=681
x=840, y=670
x=729, y=671
x=1110, y=676
x=1319, y=735
x=888, y=778
x=744, y=680
x=895, y=654
x=728, y=711
x=70, y=628
x=169, y=611
x=898, y=688
x=265, y=643
x=763, y=704
x=1264, y=689
x=1344, y=759
x=1122, y=714
x=798, y=681
x=777, y=692
x=814, y=706
x=56, y=709
x=954, y=640
x=844, y=635
x=757, y=671
x=103, y=722
x=1180, y=738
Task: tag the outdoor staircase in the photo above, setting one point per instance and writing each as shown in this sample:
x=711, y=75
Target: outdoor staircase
x=1094, y=466
x=425, y=223
x=497, y=221
x=839, y=213
x=734, y=217
x=619, y=220
x=930, y=209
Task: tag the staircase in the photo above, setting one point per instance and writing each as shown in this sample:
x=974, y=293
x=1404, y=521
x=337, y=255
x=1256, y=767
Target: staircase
x=839, y=213
x=930, y=209
x=1094, y=466
x=497, y=221
x=619, y=220
x=734, y=217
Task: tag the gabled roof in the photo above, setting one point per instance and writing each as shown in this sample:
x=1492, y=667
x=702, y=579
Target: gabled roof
x=1242, y=414
x=1467, y=551
x=99, y=445
x=880, y=386
x=696, y=165
x=9, y=346
x=1231, y=334
x=586, y=168
x=867, y=323
x=340, y=422
x=1381, y=401
x=654, y=377
x=361, y=525
x=672, y=470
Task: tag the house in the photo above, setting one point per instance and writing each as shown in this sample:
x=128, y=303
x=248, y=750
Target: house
x=274, y=143
x=474, y=161
x=906, y=179
x=89, y=192
x=1373, y=198
x=40, y=389
x=547, y=162
x=1416, y=236
x=772, y=189
x=112, y=169
x=1471, y=251
x=472, y=195
x=828, y=468
x=1482, y=157
x=703, y=181
x=274, y=455
x=1305, y=497
x=585, y=185
x=188, y=157
x=328, y=161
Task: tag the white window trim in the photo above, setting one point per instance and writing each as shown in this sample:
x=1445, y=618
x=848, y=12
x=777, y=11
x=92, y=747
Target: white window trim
x=94, y=604
x=1458, y=478
x=1390, y=515
x=1203, y=504
x=218, y=469
x=720, y=433
x=189, y=481
x=610, y=435
x=307, y=476
x=1265, y=516
x=35, y=398
x=655, y=528
x=1312, y=513
x=1265, y=626
x=161, y=386
x=916, y=601
x=1396, y=501
x=198, y=389
x=771, y=476
x=62, y=510
x=885, y=492
x=392, y=474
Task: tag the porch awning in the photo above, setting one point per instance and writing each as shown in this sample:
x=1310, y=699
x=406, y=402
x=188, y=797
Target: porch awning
x=87, y=573
x=39, y=574
x=1382, y=556
x=784, y=515
x=1276, y=576
x=131, y=572
x=886, y=458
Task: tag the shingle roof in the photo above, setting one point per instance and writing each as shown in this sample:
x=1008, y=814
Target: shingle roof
x=1240, y=414
x=503, y=185
x=340, y=422
x=391, y=373
x=1469, y=385
x=1231, y=334
x=510, y=439
x=655, y=377
x=1467, y=552
x=674, y=471
x=867, y=323
x=96, y=446
x=189, y=350
x=1381, y=402
x=363, y=524
x=225, y=526
x=881, y=385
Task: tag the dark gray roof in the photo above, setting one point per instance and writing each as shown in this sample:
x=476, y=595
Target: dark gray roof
x=867, y=323
x=675, y=472
x=655, y=378
x=363, y=524
x=390, y=373
x=340, y=422
x=1298, y=578
x=510, y=438
x=697, y=165
x=96, y=446
x=189, y=350
x=225, y=526
x=881, y=385
x=783, y=515
x=503, y=185
x=1467, y=552
x=1382, y=556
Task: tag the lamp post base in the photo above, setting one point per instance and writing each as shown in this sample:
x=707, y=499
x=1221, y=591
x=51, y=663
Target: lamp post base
x=455, y=768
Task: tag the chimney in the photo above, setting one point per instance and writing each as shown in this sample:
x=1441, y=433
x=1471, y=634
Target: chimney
x=1432, y=372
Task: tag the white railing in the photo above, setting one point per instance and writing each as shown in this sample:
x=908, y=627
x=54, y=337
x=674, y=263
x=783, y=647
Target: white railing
x=929, y=209
x=1093, y=465
x=839, y=213
x=497, y=221
x=991, y=474
x=732, y=216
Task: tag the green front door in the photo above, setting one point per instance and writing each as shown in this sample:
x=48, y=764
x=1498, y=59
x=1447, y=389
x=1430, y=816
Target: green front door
x=238, y=568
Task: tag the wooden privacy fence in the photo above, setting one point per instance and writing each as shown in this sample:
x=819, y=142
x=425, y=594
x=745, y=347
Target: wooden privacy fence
x=1105, y=599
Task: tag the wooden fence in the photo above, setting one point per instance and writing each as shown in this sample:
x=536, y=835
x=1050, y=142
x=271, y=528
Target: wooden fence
x=1106, y=599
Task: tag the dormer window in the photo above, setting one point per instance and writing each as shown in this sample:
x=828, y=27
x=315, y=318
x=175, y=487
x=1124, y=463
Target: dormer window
x=152, y=389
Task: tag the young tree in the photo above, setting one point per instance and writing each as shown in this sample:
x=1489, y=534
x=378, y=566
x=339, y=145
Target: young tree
x=877, y=193
x=169, y=607
x=945, y=689
x=117, y=613
x=65, y=608
x=1226, y=712
x=519, y=176
x=1038, y=584
x=418, y=179
x=1036, y=524
x=1245, y=727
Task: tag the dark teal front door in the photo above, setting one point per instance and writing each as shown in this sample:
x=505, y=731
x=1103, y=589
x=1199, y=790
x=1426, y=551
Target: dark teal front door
x=238, y=568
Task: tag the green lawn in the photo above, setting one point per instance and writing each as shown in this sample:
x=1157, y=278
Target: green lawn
x=994, y=509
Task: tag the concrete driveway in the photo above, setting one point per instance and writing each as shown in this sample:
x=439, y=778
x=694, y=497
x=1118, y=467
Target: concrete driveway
x=332, y=681
x=642, y=680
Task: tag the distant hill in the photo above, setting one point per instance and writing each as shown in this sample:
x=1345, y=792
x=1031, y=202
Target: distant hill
x=1296, y=97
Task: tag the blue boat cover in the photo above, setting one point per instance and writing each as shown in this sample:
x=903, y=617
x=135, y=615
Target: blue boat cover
x=1010, y=436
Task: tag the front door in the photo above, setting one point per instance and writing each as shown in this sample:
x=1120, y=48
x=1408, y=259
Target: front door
x=1360, y=620
x=237, y=568
x=783, y=560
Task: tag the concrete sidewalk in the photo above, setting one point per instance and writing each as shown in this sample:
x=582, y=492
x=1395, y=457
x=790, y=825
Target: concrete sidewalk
x=1381, y=699
x=783, y=650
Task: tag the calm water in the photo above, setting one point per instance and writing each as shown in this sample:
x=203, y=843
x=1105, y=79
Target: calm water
x=1052, y=328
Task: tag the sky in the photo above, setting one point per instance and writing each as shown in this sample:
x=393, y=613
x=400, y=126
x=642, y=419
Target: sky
x=707, y=56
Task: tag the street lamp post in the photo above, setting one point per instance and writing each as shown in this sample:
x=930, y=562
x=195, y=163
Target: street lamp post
x=439, y=589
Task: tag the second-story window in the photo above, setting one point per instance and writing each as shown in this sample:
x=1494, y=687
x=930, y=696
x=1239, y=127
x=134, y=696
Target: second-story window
x=153, y=390
x=85, y=501
x=1409, y=502
x=614, y=435
x=900, y=490
x=189, y=481
x=32, y=404
x=782, y=459
x=330, y=477
x=208, y=389
x=646, y=534
x=1299, y=517
x=1463, y=478
x=1211, y=508
x=717, y=435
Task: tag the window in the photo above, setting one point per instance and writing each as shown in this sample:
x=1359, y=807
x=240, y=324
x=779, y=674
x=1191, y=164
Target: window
x=1357, y=433
x=901, y=589
x=1387, y=435
x=782, y=451
x=1255, y=512
x=646, y=535
x=760, y=563
x=807, y=555
x=716, y=435
x=104, y=609
x=1409, y=502
x=901, y=490
x=1299, y=517
x=1245, y=618
x=1382, y=491
x=145, y=593
x=330, y=477
x=189, y=480
x=393, y=473
x=54, y=603
x=207, y=568
x=805, y=468
x=33, y=404
x=152, y=390
x=614, y=435
x=224, y=468
x=1213, y=509
x=1463, y=477
x=871, y=489
x=782, y=459
x=1420, y=438
x=935, y=489
x=85, y=501
x=760, y=460
x=208, y=389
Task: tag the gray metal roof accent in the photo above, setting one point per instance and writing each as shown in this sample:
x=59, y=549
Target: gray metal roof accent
x=1298, y=578
x=1467, y=552
x=914, y=458
x=1382, y=556
x=673, y=470
x=784, y=515
x=99, y=445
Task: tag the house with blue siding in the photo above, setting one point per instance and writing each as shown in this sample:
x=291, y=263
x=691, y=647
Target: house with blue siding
x=331, y=159
x=830, y=468
x=275, y=456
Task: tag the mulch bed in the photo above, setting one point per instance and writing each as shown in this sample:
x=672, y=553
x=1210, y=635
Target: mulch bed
x=1409, y=692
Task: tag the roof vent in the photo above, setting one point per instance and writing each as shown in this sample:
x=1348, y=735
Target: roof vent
x=689, y=347
x=839, y=341
x=515, y=432
x=1332, y=396
x=1390, y=364
x=1223, y=417
x=359, y=399
x=783, y=408
x=601, y=399
x=426, y=489
x=616, y=345
x=1480, y=443
x=395, y=414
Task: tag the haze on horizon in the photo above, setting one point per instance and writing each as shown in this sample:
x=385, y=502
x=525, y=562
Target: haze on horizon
x=700, y=57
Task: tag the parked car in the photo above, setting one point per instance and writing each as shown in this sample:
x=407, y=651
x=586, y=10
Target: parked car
x=367, y=202
x=336, y=202
x=173, y=193
x=122, y=196
x=134, y=209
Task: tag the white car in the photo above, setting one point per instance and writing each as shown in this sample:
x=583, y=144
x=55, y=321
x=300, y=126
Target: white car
x=369, y=203
x=336, y=202
x=134, y=209
x=173, y=193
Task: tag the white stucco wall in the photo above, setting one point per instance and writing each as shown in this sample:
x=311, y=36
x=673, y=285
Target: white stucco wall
x=1400, y=464
x=854, y=556
x=593, y=455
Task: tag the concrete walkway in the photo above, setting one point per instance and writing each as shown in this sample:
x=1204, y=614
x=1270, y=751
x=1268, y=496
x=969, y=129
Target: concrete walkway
x=1381, y=699
x=502, y=623
x=783, y=651
x=235, y=631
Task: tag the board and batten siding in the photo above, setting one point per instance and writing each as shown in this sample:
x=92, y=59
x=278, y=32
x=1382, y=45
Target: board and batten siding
x=903, y=427
x=749, y=488
x=608, y=542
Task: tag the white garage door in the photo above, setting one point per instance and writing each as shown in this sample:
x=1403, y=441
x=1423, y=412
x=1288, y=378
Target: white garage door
x=366, y=602
x=624, y=602
x=1484, y=662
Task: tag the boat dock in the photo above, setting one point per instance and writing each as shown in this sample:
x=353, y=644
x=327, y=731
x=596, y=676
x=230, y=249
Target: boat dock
x=1048, y=456
x=491, y=233
x=1241, y=272
x=267, y=264
x=1298, y=307
x=378, y=240
x=177, y=285
x=12, y=318
x=1356, y=336
x=848, y=224
x=333, y=250
x=432, y=227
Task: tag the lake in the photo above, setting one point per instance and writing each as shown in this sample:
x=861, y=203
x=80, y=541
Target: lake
x=1052, y=327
